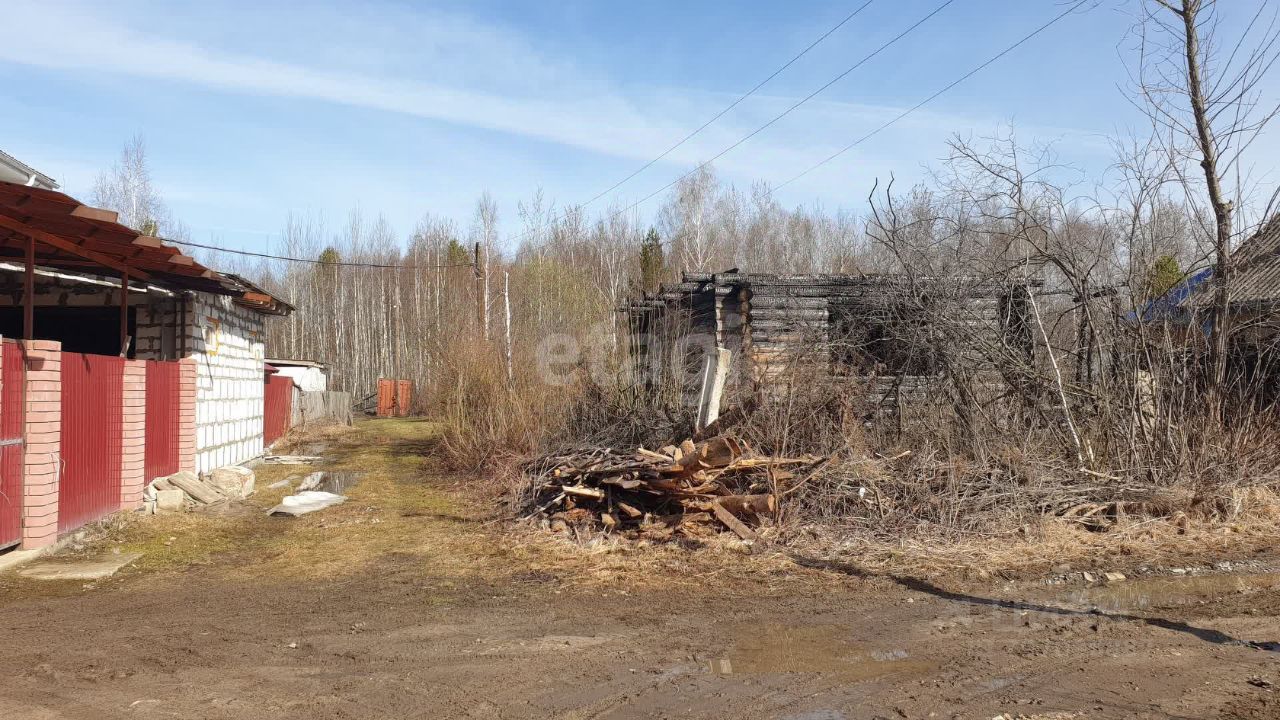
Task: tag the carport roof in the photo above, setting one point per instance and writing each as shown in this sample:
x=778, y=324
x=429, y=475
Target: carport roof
x=72, y=236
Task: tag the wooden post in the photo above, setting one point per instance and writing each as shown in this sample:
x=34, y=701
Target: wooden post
x=124, y=314
x=714, y=373
x=29, y=292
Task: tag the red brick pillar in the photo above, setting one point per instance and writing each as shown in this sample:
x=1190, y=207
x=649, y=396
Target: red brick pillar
x=187, y=417
x=133, y=445
x=42, y=432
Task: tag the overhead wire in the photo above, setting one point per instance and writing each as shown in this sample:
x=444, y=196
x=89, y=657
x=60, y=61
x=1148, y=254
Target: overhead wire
x=993, y=59
x=843, y=21
x=334, y=263
x=731, y=105
x=792, y=108
x=770, y=191
x=896, y=119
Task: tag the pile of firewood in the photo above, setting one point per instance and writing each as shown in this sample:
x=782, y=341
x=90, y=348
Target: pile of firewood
x=690, y=489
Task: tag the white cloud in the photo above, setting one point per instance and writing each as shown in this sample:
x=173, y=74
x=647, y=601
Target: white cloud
x=466, y=74
x=72, y=39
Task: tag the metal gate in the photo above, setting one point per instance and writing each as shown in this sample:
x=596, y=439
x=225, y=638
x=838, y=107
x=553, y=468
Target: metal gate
x=11, y=416
x=92, y=434
x=277, y=408
x=163, y=419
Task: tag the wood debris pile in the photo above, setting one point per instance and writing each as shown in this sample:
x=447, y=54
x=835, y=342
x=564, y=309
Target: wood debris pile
x=689, y=490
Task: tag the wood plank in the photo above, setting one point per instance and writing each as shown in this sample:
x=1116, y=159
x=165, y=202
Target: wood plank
x=733, y=523
x=196, y=489
x=583, y=492
x=93, y=213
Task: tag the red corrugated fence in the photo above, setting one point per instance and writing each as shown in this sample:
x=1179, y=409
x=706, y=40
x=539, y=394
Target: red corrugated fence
x=163, y=418
x=11, y=416
x=92, y=434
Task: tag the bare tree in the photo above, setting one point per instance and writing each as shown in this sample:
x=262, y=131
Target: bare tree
x=485, y=232
x=1203, y=91
x=127, y=189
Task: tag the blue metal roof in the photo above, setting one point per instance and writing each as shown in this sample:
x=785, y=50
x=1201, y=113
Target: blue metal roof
x=1170, y=306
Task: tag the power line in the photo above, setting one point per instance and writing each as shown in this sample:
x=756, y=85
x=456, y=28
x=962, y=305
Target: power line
x=731, y=105
x=867, y=58
x=902, y=115
x=935, y=96
x=310, y=261
x=990, y=61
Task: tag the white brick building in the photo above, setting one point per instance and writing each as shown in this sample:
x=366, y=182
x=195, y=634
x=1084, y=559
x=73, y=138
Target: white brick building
x=223, y=334
x=226, y=341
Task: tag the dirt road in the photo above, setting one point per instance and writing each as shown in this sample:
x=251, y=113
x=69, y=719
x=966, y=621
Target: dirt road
x=408, y=602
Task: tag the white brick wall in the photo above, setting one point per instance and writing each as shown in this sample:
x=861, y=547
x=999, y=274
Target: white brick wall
x=154, y=327
x=226, y=342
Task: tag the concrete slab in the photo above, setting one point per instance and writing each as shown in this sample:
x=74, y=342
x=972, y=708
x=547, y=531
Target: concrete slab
x=14, y=558
x=102, y=567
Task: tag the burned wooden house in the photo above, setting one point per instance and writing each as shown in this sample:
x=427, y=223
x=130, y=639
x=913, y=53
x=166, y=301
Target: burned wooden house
x=900, y=333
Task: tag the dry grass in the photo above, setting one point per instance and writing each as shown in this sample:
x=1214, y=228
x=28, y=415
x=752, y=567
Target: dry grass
x=409, y=518
x=406, y=516
x=400, y=510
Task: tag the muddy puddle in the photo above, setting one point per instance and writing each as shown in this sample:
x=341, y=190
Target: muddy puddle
x=1171, y=591
x=330, y=481
x=823, y=649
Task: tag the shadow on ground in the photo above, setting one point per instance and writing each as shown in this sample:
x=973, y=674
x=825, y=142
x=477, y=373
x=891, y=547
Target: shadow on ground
x=924, y=586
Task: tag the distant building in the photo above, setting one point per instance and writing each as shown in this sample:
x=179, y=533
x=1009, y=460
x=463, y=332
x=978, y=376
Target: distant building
x=124, y=359
x=1255, y=279
x=308, y=375
x=1255, y=290
x=15, y=171
x=886, y=328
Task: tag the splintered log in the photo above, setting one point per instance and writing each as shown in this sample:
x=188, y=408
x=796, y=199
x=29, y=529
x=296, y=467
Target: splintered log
x=719, y=452
x=749, y=504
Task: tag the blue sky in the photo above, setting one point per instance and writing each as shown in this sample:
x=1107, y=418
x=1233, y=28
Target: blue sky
x=251, y=110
